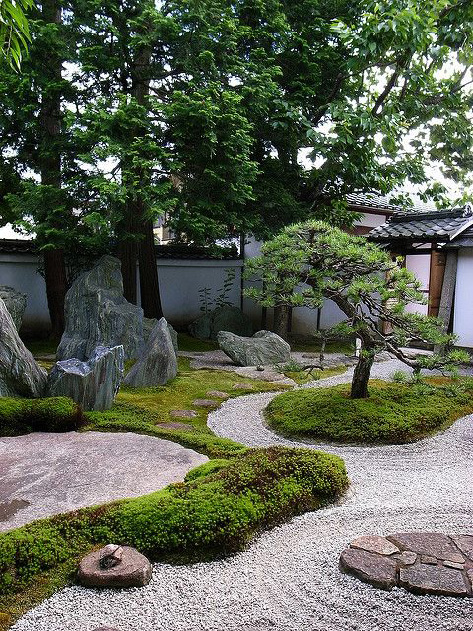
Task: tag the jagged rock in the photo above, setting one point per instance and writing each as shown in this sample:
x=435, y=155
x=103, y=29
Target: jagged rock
x=93, y=384
x=97, y=314
x=225, y=318
x=15, y=302
x=157, y=363
x=20, y=375
x=148, y=326
x=133, y=570
x=264, y=348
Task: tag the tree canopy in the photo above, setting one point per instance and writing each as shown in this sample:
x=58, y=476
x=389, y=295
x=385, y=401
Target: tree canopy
x=227, y=116
x=14, y=30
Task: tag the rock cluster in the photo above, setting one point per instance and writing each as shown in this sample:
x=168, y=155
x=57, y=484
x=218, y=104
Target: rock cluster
x=114, y=566
x=264, y=348
x=92, y=384
x=224, y=318
x=20, y=375
x=421, y=562
x=15, y=302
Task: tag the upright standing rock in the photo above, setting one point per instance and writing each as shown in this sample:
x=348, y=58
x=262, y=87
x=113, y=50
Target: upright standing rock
x=15, y=302
x=158, y=363
x=19, y=373
x=97, y=314
x=93, y=384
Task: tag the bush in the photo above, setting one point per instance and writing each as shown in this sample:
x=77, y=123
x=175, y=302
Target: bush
x=207, y=516
x=394, y=413
x=54, y=414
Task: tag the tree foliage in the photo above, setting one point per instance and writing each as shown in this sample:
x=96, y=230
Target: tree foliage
x=14, y=30
x=310, y=262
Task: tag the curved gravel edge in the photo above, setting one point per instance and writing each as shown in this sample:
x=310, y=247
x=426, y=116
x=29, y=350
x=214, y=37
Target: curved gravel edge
x=288, y=579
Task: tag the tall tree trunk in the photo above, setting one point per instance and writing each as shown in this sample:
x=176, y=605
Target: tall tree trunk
x=361, y=375
x=149, y=281
x=137, y=219
x=281, y=321
x=50, y=169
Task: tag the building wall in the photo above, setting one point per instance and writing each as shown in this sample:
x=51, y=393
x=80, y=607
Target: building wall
x=179, y=281
x=463, y=310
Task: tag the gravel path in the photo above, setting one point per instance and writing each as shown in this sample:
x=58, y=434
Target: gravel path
x=289, y=579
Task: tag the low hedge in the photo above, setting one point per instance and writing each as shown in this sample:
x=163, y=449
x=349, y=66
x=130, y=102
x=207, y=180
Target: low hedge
x=54, y=414
x=216, y=511
x=393, y=413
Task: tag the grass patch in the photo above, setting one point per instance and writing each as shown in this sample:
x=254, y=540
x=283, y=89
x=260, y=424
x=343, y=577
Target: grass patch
x=217, y=511
x=303, y=376
x=145, y=410
x=393, y=414
x=186, y=342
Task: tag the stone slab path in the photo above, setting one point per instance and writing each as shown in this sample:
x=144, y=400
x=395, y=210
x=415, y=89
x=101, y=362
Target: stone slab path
x=42, y=474
x=289, y=578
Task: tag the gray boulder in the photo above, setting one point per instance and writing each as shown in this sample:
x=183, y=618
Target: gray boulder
x=225, y=318
x=148, y=326
x=20, y=375
x=157, y=363
x=97, y=314
x=264, y=348
x=93, y=384
x=15, y=302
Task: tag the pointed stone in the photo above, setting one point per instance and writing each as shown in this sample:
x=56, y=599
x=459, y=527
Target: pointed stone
x=20, y=375
x=157, y=363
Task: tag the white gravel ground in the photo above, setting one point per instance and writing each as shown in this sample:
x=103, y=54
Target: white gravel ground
x=289, y=579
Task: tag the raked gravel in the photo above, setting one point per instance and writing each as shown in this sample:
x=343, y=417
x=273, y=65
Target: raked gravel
x=288, y=579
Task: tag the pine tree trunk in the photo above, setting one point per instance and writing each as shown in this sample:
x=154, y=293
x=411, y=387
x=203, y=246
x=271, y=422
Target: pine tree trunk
x=281, y=321
x=149, y=282
x=361, y=376
x=50, y=169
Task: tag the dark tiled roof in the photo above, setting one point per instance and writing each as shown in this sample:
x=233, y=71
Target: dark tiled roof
x=383, y=202
x=17, y=246
x=26, y=246
x=435, y=226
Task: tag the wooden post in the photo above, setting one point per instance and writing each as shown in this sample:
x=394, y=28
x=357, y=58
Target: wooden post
x=448, y=288
x=448, y=291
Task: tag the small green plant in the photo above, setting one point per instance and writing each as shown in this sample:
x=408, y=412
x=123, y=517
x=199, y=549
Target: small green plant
x=400, y=376
x=221, y=300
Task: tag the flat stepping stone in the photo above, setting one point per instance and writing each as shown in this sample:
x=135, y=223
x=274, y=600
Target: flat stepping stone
x=175, y=425
x=219, y=394
x=183, y=413
x=420, y=562
x=243, y=386
x=205, y=403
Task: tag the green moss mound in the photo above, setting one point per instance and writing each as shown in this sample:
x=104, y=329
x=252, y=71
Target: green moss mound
x=393, y=414
x=217, y=512
x=54, y=414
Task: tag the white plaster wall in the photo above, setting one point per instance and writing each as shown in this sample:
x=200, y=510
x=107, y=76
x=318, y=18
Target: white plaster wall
x=179, y=282
x=21, y=272
x=463, y=309
x=419, y=264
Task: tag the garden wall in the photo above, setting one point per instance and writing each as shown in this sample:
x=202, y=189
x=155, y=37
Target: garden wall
x=180, y=281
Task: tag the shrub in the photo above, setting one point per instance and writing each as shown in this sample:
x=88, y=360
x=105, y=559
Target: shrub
x=54, y=414
x=394, y=413
x=216, y=512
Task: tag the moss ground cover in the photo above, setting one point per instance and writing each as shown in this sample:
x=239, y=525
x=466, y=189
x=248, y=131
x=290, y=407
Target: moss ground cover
x=216, y=511
x=147, y=410
x=394, y=413
x=54, y=414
